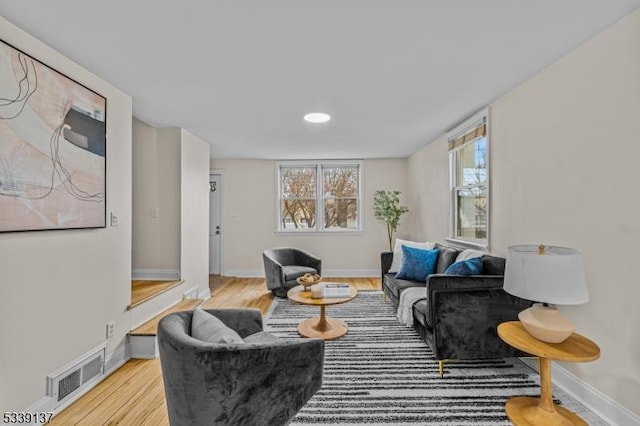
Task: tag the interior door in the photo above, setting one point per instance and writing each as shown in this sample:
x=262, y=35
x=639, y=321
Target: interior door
x=215, y=224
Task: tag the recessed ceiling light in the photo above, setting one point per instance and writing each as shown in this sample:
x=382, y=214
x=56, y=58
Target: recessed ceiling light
x=317, y=117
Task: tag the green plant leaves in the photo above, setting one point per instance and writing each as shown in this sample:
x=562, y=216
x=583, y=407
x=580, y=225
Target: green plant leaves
x=387, y=209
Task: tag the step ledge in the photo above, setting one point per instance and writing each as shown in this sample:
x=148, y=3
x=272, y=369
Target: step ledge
x=144, y=344
x=159, y=292
x=144, y=347
x=183, y=305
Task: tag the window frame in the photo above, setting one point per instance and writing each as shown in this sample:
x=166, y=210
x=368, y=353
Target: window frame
x=461, y=129
x=320, y=197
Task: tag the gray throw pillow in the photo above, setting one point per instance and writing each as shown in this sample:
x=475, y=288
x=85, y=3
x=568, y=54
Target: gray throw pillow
x=208, y=328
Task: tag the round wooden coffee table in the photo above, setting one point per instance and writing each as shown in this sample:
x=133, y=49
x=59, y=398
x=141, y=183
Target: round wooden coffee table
x=322, y=327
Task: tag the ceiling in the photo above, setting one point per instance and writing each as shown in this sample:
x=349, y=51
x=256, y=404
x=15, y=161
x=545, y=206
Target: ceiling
x=394, y=75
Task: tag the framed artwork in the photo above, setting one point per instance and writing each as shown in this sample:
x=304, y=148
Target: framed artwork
x=52, y=148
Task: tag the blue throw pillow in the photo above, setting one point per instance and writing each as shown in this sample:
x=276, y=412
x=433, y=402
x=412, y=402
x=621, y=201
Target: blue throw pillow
x=466, y=267
x=417, y=264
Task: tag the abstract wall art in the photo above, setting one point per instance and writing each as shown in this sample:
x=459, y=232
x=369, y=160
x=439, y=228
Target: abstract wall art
x=52, y=148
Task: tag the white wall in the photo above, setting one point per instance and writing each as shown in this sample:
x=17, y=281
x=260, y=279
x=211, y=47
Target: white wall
x=428, y=192
x=170, y=178
x=156, y=188
x=249, y=210
x=194, y=200
x=58, y=289
x=564, y=164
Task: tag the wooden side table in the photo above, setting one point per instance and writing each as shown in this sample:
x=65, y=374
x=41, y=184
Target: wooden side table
x=523, y=410
x=322, y=327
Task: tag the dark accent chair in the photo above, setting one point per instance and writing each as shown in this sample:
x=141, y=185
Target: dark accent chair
x=283, y=265
x=264, y=381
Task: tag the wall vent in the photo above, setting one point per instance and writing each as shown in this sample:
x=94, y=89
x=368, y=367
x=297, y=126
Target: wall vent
x=72, y=379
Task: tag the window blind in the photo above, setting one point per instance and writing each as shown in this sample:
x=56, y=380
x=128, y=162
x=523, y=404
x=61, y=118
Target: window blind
x=475, y=132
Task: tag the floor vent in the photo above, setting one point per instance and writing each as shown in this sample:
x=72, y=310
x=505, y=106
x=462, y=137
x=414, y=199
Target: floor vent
x=69, y=381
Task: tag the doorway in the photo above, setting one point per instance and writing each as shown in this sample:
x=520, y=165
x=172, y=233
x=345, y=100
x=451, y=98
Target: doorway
x=215, y=223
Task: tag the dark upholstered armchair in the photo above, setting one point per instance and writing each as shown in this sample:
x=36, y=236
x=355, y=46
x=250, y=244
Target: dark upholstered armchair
x=263, y=381
x=283, y=265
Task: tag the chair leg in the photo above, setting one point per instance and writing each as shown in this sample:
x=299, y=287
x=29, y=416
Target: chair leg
x=441, y=366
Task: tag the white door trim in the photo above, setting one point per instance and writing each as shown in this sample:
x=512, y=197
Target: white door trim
x=221, y=173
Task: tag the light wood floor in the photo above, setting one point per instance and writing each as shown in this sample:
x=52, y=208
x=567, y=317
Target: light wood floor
x=142, y=290
x=134, y=395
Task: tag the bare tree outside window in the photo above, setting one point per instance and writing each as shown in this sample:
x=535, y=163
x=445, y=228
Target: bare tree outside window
x=471, y=192
x=340, y=193
x=468, y=151
x=298, y=202
x=329, y=191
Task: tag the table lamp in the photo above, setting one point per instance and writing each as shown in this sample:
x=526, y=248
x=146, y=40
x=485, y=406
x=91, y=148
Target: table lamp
x=550, y=275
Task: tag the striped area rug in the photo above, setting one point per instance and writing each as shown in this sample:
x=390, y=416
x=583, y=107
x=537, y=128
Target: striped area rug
x=381, y=372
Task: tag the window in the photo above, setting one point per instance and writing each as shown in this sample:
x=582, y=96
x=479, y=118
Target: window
x=469, y=180
x=320, y=196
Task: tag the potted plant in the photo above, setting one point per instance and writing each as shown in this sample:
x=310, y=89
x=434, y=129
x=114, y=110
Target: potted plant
x=387, y=209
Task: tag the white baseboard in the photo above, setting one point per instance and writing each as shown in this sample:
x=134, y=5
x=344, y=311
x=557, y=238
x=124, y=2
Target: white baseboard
x=365, y=273
x=259, y=273
x=191, y=293
x=600, y=404
x=204, y=294
x=118, y=358
x=45, y=405
x=155, y=274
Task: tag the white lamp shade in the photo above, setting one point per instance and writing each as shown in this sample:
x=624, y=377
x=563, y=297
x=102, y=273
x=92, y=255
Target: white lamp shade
x=555, y=276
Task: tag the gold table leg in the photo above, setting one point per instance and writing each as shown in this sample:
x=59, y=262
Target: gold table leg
x=323, y=327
